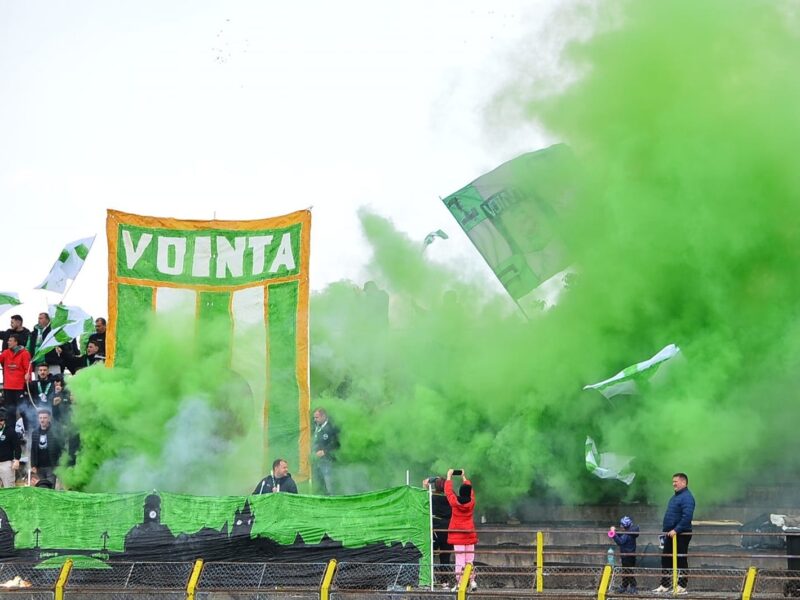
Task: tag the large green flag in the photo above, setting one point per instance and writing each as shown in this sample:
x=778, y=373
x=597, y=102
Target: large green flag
x=249, y=278
x=512, y=215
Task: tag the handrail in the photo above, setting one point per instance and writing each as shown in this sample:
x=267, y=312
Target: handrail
x=327, y=579
x=194, y=578
x=62, y=579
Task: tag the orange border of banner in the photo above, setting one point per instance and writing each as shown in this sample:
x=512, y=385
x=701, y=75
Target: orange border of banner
x=115, y=218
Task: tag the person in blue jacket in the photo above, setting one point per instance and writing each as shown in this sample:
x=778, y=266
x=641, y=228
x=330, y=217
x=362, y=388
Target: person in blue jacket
x=626, y=540
x=677, y=528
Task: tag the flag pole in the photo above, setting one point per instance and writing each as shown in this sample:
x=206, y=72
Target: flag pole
x=66, y=291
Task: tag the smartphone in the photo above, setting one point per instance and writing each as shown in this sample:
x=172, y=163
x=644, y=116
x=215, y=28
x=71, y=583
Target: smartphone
x=458, y=472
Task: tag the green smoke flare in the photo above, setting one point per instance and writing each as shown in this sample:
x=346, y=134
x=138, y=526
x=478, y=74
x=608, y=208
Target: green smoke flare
x=684, y=116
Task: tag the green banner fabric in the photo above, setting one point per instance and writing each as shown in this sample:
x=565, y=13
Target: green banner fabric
x=512, y=214
x=40, y=525
x=242, y=283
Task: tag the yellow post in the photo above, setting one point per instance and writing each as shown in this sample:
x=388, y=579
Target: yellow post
x=327, y=579
x=464, y=582
x=605, y=581
x=539, y=561
x=62, y=579
x=675, y=565
x=749, y=583
x=194, y=578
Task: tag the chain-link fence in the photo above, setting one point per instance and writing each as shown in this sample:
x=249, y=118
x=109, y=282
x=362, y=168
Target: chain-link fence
x=259, y=581
x=130, y=581
x=565, y=563
x=772, y=583
x=24, y=580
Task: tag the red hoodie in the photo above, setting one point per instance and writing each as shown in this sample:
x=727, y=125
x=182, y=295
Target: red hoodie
x=461, y=517
x=15, y=366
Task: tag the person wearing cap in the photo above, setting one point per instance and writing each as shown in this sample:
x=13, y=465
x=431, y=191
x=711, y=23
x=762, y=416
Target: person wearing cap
x=10, y=451
x=462, y=532
x=627, y=548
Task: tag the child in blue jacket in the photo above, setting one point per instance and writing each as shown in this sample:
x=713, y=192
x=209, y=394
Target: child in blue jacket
x=626, y=540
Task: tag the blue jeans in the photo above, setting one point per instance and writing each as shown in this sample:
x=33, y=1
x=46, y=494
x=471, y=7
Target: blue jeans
x=322, y=474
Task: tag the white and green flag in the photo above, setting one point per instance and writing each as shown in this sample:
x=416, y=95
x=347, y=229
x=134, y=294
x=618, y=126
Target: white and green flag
x=607, y=465
x=629, y=381
x=67, y=265
x=431, y=237
x=7, y=300
x=66, y=324
x=513, y=215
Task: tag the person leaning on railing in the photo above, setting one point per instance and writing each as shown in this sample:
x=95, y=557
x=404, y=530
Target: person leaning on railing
x=677, y=526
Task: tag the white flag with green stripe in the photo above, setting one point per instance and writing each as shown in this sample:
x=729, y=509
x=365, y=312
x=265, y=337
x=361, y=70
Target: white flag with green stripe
x=7, y=300
x=607, y=465
x=629, y=380
x=67, y=265
x=67, y=323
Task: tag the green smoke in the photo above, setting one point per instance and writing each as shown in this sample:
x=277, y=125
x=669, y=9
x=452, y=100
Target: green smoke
x=179, y=419
x=684, y=117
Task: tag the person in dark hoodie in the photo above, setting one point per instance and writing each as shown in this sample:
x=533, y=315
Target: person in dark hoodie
x=280, y=480
x=462, y=532
x=627, y=548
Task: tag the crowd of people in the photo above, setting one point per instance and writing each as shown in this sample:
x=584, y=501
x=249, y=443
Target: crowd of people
x=36, y=404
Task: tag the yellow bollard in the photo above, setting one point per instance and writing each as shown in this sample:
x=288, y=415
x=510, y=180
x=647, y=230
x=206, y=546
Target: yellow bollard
x=464, y=582
x=749, y=583
x=539, y=561
x=62, y=579
x=675, y=565
x=605, y=580
x=327, y=579
x=194, y=578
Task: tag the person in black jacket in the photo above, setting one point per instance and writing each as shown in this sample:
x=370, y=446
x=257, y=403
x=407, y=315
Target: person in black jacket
x=45, y=448
x=677, y=528
x=53, y=359
x=324, y=447
x=22, y=333
x=10, y=451
x=280, y=480
x=99, y=336
x=92, y=356
x=442, y=512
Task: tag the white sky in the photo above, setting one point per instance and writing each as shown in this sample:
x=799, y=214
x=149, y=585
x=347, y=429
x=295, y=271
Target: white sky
x=247, y=109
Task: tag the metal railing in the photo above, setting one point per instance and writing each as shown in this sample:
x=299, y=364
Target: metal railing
x=539, y=568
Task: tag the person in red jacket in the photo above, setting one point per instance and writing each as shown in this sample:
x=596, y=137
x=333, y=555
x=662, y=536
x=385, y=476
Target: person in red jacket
x=462, y=532
x=16, y=363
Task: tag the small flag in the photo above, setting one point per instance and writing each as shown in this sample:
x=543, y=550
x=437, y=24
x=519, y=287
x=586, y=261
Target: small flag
x=607, y=465
x=432, y=236
x=67, y=323
x=7, y=300
x=68, y=265
x=629, y=380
